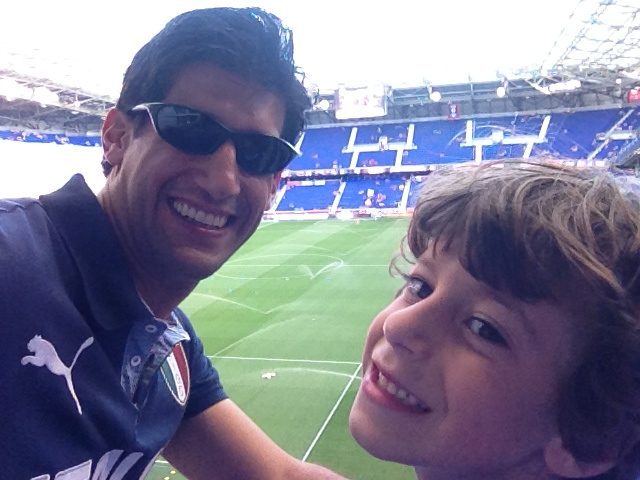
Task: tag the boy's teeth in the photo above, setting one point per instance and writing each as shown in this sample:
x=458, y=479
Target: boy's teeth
x=391, y=388
x=401, y=394
x=217, y=221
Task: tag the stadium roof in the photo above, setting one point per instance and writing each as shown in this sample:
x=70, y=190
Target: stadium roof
x=78, y=55
x=600, y=44
x=357, y=42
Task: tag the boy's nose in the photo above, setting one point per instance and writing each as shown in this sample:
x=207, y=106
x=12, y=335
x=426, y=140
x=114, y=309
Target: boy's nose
x=411, y=331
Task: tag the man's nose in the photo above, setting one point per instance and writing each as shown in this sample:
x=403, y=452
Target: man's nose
x=220, y=174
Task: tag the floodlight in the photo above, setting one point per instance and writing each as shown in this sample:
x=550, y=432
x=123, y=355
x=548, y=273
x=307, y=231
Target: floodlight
x=323, y=104
x=501, y=91
x=435, y=96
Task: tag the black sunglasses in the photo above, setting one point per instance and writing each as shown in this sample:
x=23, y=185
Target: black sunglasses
x=197, y=133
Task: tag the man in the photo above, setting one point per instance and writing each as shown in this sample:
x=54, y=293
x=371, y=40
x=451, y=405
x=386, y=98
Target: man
x=102, y=372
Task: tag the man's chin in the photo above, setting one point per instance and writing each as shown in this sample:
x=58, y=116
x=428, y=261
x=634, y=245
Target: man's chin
x=202, y=271
x=194, y=268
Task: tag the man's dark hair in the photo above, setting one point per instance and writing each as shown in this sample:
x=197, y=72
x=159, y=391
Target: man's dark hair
x=248, y=42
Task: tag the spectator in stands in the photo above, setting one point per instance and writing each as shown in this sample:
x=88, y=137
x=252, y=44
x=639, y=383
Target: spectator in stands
x=101, y=370
x=513, y=350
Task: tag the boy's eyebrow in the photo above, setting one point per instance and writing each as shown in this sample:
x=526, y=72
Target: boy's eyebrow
x=426, y=262
x=495, y=295
x=509, y=304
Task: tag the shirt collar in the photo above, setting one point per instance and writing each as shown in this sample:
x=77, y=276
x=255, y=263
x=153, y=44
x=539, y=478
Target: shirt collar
x=92, y=242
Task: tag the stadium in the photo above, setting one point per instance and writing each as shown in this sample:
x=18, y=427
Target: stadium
x=284, y=319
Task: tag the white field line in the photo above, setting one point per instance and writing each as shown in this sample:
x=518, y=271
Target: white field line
x=252, y=334
x=331, y=413
x=331, y=266
x=314, y=370
x=262, y=359
x=254, y=265
x=352, y=377
x=226, y=300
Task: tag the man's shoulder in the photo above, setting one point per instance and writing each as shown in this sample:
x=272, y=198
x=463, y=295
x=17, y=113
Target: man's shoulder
x=34, y=224
x=29, y=241
x=19, y=218
x=16, y=205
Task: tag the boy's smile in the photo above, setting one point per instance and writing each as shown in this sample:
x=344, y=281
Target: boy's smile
x=384, y=389
x=460, y=380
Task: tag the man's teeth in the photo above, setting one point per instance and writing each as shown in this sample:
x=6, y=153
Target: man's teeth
x=209, y=219
x=402, y=395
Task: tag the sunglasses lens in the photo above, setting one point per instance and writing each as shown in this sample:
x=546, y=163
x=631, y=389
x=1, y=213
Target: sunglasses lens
x=261, y=154
x=197, y=133
x=189, y=130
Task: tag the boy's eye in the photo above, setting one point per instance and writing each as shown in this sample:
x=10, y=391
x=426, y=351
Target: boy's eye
x=486, y=331
x=418, y=287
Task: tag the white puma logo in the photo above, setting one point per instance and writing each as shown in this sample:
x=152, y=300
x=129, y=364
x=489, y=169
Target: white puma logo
x=45, y=355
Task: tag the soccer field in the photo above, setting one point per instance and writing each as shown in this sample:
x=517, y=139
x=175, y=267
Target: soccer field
x=284, y=322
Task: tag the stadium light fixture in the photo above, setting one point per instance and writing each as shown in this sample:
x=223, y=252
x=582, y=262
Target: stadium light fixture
x=323, y=104
x=502, y=89
x=434, y=95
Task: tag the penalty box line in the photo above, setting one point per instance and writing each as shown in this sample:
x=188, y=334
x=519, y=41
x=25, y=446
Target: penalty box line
x=333, y=410
x=331, y=413
x=292, y=360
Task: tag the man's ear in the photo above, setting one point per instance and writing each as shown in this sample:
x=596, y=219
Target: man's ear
x=561, y=462
x=115, y=136
x=274, y=190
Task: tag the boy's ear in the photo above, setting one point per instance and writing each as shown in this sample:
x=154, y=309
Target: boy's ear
x=115, y=136
x=561, y=462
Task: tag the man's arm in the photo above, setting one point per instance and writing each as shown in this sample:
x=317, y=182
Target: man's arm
x=223, y=443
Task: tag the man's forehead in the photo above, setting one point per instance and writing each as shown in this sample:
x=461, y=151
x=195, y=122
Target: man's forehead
x=237, y=102
x=210, y=77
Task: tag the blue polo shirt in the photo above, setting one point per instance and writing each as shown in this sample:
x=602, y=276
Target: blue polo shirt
x=92, y=385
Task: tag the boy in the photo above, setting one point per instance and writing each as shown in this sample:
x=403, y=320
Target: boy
x=513, y=350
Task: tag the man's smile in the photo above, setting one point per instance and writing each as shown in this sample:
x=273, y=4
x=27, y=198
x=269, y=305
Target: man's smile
x=200, y=217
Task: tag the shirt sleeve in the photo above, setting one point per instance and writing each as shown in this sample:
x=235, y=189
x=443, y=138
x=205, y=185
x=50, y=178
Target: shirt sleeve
x=205, y=389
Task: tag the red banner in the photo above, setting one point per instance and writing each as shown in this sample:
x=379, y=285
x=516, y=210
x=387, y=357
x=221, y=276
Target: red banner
x=454, y=111
x=633, y=95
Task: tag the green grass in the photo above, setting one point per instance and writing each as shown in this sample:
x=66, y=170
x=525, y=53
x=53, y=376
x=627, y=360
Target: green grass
x=296, y=301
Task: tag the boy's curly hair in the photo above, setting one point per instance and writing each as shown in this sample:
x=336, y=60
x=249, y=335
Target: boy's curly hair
x=568, y=235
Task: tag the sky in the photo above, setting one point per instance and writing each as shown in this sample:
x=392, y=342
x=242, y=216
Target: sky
x=89, y=44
